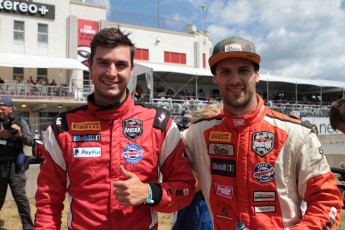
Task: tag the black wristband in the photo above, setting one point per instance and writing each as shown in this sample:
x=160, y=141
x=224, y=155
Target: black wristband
x=156, y=193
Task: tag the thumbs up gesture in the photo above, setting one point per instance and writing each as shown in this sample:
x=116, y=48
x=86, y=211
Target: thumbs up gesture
x=130, y=192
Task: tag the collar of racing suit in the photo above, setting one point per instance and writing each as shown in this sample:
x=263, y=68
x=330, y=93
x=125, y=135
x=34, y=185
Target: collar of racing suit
x=109, y=112
x=248, y=119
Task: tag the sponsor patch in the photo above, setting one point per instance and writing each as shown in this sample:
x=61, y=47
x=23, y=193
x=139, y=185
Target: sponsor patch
x=86, y=152
x=182, y=192
x=264, y=196
x=221, y=149
x=223, y=167
x=58, y=121
x=87, y=138
x=238, y=122
x=220, y=137
x=262, y=143
x=88, y=125
x=224, y=190
x=132, y=128
x=322, y=153
x=133, y=154
x=264, y=173
x=162, y=117
x=264, y=209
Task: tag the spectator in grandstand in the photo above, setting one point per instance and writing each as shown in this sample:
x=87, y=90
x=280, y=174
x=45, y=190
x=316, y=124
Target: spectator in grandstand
x=31, y=81
x=120, y=163
x=53, y=83
x=254, y=164
x=2, y=81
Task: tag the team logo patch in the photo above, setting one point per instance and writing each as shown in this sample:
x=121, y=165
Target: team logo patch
x=220, y=136
x=264, y=196
x=87, y=138
x=264, y=173
x=223, y=167
x=224, y=190
x=262, y=143
x=133, y=154
x=88, y=125
x=87, y=152
x=132, y=128
x=221, y=149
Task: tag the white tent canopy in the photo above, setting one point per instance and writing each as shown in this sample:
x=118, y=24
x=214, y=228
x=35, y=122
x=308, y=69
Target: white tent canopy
x=30, y=61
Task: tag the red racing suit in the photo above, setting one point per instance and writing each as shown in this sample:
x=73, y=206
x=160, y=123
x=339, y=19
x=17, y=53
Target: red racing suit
x=259, y=168
x=85, y=148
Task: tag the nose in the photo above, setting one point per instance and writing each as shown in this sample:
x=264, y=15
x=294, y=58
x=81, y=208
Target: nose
x=112, y=70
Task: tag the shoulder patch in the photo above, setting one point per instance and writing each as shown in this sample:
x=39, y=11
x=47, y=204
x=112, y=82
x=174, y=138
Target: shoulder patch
x=161, y=119
x=60, y=124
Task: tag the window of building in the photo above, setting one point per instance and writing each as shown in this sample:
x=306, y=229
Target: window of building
x=18, y=74
x=204, y=60
x=42, y=33
x=42, y=76
x=18, y=31
x=171, y=57
x=141, y=54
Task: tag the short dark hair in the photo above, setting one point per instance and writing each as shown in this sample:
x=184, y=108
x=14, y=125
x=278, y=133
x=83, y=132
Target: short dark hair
x=337, y=113
x=111, y=38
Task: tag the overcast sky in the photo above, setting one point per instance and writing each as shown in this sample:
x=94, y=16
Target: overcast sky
x=295, y=38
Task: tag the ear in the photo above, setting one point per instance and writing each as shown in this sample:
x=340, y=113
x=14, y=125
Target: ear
x=215, y=80
x=257, y=77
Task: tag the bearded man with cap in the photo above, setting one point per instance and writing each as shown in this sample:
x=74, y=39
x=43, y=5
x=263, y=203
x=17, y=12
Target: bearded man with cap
x=14, y=132
x=256, y=165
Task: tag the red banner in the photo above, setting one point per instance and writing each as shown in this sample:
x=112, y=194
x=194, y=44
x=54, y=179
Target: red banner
x=86, y=31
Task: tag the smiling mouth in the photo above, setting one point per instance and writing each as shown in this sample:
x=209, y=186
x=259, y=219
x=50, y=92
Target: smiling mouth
x=110, y=82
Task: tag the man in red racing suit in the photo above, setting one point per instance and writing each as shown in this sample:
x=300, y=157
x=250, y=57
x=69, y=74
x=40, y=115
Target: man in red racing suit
x=85, y=150
x=110, y=155
x=256, y=165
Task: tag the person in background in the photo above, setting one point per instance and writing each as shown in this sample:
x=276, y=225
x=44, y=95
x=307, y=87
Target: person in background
x=186, y=120
x=297, y=115
x=31, y=81
x=53, y=83
x=14, y=133
x=337, y=117
x=120, y=163
x=256, y=165
x=196, y=216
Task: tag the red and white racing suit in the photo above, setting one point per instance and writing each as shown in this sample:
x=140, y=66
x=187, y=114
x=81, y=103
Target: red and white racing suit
x=258, y=168
x=85, y=148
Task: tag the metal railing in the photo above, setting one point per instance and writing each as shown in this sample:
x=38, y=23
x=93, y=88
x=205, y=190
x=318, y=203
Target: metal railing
x=25, y=90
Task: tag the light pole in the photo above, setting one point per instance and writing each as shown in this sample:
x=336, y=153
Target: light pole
x=158, y=14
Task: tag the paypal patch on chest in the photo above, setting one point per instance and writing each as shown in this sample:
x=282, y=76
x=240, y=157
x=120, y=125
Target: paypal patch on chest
x=86, y=152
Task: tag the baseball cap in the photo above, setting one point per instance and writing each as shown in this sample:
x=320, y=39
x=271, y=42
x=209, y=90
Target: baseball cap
x=295, y=114
x=233, y=47
x=6, y=101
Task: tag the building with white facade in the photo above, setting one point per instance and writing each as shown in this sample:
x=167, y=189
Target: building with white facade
x=49, y=39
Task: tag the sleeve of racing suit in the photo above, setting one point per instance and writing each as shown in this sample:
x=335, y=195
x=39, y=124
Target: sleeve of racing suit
x=178, y=180
x=317, y=184
x=51, y=185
